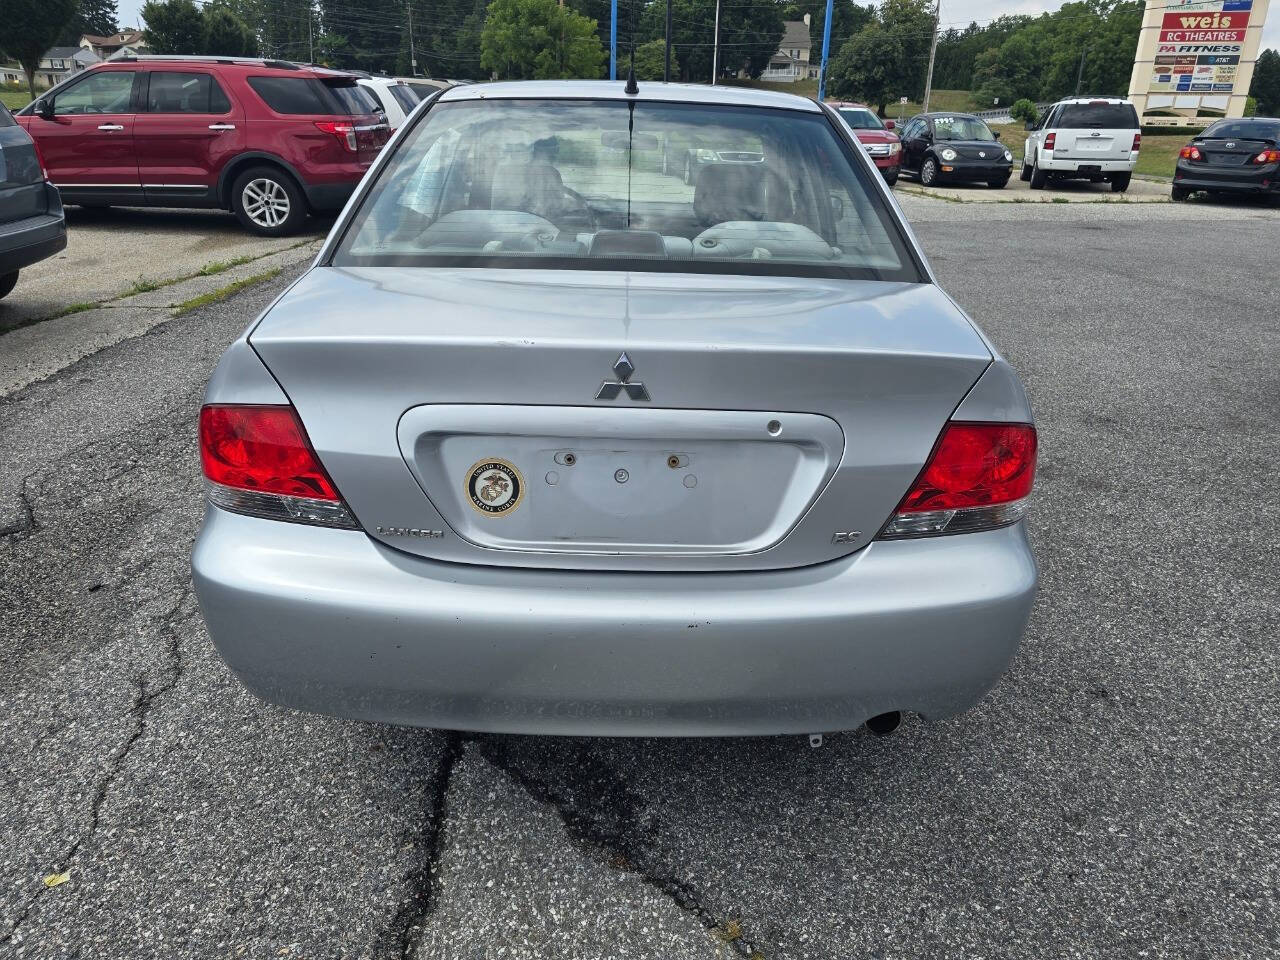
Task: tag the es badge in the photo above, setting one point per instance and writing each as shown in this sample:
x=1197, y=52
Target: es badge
x=494, y=487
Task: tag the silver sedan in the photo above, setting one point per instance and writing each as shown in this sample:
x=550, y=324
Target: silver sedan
x=550, y=441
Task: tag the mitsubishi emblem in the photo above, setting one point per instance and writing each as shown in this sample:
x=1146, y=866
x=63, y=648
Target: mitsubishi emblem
x=623, y=368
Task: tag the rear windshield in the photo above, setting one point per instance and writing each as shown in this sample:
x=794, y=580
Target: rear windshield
x=860, y=118
x=306, y=96
x=352, y=99
x=1244, y=130
x=1085, y=116
x=404, y=96
x=617, y=185
x=961, y=128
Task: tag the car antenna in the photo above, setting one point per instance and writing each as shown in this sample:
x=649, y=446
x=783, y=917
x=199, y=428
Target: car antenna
x=631, y=89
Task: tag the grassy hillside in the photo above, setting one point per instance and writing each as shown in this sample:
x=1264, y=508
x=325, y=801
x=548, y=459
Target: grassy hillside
x=13, y=99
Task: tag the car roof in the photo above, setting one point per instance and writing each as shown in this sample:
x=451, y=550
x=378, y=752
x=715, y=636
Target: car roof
x=650, y=91
x=949, y=113
x=1111, y=99
x=258, y=66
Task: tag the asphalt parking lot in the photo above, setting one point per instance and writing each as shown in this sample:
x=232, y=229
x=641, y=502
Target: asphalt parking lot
x=1115, y=795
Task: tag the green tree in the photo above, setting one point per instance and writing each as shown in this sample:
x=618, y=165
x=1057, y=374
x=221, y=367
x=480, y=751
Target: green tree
x=97, y=17
x=1266, y=83
x=649, y=61
x=910, y=23
x=227, y=35
x=868, y=68
x=173, y=26
x=32, y=27
x=539, y=40
x=373, y=29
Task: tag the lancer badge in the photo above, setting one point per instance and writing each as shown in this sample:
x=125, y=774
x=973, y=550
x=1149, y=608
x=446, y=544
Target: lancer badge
x=623, y=368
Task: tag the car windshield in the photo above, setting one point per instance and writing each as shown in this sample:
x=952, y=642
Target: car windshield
x=1243, y=130
x=860, y=118
x=623, y=185
x=961, y=128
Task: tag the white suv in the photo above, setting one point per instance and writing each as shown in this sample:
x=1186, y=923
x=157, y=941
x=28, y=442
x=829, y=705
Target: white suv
x=1083, y=138
x=396, y=99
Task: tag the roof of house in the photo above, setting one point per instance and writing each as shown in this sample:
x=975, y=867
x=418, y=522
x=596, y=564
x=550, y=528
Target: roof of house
x=796, y=34
x=115, y=40
x=60, y=53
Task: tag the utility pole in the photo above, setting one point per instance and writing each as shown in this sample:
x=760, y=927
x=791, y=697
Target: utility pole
x=666, y=61
x=933, y=49
x=311, y=47
x=715, y=50
x=413, y=56
x=1080, y=72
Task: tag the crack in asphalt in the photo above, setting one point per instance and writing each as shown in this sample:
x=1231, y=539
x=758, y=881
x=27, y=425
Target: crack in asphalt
x=604, y=814
x=411, y=917
x=144, y=700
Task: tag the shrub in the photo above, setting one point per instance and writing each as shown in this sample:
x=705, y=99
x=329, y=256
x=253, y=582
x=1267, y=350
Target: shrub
x=1024, y=109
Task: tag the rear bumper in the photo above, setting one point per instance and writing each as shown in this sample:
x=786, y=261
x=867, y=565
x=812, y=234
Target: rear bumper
x=333, y=622
x=329, y=196
x=1058, y=164
x=1258, y=180
x=28, y=241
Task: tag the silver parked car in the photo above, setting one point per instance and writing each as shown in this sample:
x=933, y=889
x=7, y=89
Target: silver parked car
x=549, y=441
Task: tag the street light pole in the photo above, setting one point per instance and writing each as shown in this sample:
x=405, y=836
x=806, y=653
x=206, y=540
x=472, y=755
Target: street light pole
x=715, y=49
x=933, y=50
x=413, y=56
x=666, y=56
x=613, y=39
x=826, y=54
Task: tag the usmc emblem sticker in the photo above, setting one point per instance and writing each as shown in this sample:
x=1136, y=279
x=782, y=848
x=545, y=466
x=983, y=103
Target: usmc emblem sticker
x=494, y=487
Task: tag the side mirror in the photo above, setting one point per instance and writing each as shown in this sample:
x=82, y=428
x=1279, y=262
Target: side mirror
x=1029, y=125
x=43, y=109
x=996, y=134
x=890, y=125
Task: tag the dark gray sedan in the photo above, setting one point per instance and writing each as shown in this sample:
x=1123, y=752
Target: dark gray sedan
x=550, y=441
x=32, y=226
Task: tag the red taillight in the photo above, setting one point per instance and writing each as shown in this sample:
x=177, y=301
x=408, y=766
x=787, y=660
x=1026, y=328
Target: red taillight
x=44, y=171
x=345, y=132
x=263, y=449
x=1050, y=140
x=1189, y=152
x=1137, y=142
x=975, y=465
x=1268, y=156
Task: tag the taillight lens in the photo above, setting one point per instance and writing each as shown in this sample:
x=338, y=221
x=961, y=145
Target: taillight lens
x=1268, y=156
x=345, y=132
x=1189, y=152
x=977, y=478
x=258, y=461
x=1050, y=141
x=1137, y=142
x=44, y=171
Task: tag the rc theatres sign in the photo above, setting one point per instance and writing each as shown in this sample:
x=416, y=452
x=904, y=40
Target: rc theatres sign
x=1195, y=60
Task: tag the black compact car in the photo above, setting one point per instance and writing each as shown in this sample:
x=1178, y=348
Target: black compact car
x=1240, y=156
x=954, y=147
x=32, y=226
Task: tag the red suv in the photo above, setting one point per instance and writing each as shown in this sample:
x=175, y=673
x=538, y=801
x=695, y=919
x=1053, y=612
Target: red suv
x=876, y=135
x=267, y=139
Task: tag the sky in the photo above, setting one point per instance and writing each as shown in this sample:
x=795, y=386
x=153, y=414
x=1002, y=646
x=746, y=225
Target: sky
x=958, y=13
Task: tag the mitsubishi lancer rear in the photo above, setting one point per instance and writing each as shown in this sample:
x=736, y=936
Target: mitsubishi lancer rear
x=549, y=440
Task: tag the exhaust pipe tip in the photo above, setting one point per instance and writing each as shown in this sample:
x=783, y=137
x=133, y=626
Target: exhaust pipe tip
x=883, y=724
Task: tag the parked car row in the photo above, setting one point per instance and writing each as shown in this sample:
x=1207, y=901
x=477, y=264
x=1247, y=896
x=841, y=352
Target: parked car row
x=270, y=140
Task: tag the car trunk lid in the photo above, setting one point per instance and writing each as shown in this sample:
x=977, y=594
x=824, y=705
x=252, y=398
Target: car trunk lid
x=616, y=420
x=1231, y=152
